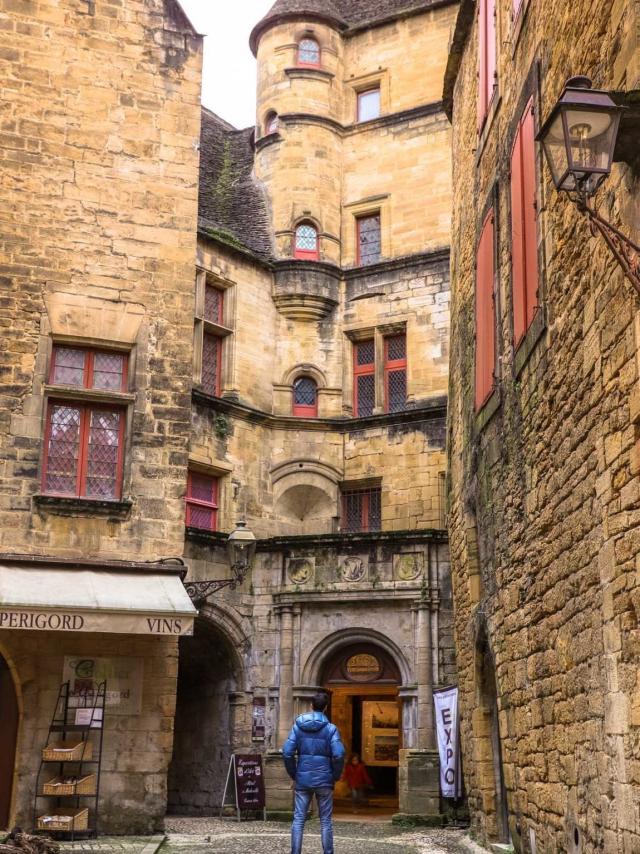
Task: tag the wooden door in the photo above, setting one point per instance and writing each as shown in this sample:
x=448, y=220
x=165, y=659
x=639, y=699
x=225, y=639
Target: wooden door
x=9, y=715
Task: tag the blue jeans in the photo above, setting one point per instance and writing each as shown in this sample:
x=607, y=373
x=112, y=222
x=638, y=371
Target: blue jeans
x=324, y=796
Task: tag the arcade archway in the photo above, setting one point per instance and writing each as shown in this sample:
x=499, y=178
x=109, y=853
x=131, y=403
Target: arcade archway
x=208, y=677
x=363, y=681
x=9, y=719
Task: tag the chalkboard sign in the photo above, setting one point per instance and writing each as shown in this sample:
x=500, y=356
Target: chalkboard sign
x=247, y=774
x=249, y=782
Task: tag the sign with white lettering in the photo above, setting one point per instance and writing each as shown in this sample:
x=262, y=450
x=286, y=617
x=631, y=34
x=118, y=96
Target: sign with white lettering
x=249, y=781
x=446, y=705
x=123, y=676
x=93, y=621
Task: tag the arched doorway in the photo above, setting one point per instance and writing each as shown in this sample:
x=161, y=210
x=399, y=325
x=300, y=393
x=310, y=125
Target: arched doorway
x=363, y=680
x=9, y=718
x=203, y=738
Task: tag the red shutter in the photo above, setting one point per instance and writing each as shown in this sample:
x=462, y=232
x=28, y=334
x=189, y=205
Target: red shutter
x=517, y=244
x=364, y=381
x=529, y=212
x=482, y=63
x=485, y=312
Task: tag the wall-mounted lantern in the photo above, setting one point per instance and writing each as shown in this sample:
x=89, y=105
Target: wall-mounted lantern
x=579, y=139
x=241, y=548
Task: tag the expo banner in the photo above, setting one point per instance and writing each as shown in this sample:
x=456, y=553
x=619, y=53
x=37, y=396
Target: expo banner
x=446, y=703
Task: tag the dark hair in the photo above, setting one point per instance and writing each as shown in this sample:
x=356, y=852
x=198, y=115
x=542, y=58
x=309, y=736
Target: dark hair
x=319, y=701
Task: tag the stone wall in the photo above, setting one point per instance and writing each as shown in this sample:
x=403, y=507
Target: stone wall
x=99, y=198
x=545, y=480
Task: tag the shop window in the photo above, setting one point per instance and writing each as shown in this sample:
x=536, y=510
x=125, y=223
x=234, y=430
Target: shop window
x=364, y=378
x=210, y=333
x=368, y=239
x=368, y=104
x=524, y=226
x=202, y=501
x=272, y=123
x=485, y=312
x=487, y=70
x=309, y=52
x=306, y=242
x=305, y=397
x=395, y=373
x=361, y=509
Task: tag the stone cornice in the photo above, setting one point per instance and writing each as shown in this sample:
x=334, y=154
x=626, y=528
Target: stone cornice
x=169, y=566
x=431, y=410
x=402, y=263
x=337, y=541
x=464, y=22
x=388, y=120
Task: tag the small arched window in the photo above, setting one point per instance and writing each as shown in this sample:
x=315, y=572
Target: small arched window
x=305, y=397
x=308, y=52
x=271, y=123
x=306, y=242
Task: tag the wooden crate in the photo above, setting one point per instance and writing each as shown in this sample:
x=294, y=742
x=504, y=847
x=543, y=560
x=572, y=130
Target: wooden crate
x=76, y=819
x=67, y=751
x=83, y=786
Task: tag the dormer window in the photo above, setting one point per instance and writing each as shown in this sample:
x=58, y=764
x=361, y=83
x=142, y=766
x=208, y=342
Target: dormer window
x=306, y=242
x=271, y=123
x=308, y=52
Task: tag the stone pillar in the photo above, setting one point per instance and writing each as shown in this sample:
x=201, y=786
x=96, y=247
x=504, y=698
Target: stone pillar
x=424, y=671
x=285, y=699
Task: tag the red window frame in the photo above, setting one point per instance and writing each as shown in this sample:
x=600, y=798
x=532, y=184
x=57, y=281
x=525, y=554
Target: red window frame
x=217, y=340
x=524, y=226
x=85, y=410
x=359, y=222
x=393, y=366
x=368, y=369
x=485, y=361
x=302, y=410
x=88, y=369
x=365, y=496
x=218, y=318
x=306, y=254
x=301, y=63
x=360, y=96
x=212, y=505
x=487, y=48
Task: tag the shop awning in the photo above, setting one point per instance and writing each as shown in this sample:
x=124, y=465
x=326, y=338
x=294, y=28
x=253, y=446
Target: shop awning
x=92, y=600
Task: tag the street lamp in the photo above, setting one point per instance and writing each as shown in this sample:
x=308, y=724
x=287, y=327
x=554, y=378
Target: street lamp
x=241, y=548
x=579, y=139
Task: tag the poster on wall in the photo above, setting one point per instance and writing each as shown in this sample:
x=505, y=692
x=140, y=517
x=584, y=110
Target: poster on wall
x=258, y=720
x=380, y=733
x=446, y=709
x=122, y=675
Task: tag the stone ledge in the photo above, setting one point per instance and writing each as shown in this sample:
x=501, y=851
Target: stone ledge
x=71, y=506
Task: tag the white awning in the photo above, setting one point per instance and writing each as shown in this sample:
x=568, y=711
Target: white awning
x=87, y=600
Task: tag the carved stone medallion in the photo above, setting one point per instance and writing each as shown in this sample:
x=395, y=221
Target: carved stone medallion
x=353, y=568
x=409, y=566
x=300, y=570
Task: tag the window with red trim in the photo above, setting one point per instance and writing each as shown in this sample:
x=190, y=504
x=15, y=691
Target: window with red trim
x=368, y=239
x=395, y=373
x=202, y=501
x=485, y=312
x=368, y=104
x=308, y=52
x=524, y=226
x=211, y=377
x=361, y=509
x=364, y=377
x=306, y=242
x=84, y=442
x=305, y=397
x=487, y=72
x=213, y=304
x=272, y=123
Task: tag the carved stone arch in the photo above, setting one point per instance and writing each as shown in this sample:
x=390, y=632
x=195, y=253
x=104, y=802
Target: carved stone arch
x=236, y=631
x=315, y=663
x=11, y=707
x=305, y=369
x=308, y=31
x=305, y=495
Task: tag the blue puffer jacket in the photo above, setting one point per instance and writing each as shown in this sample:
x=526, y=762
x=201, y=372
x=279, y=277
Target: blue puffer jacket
x=313, y=753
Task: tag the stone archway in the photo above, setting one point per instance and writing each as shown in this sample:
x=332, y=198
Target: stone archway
x=9, y=721
x=210, y=678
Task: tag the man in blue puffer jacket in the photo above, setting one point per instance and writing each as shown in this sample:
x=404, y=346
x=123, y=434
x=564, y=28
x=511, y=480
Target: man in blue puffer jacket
x=314, y=759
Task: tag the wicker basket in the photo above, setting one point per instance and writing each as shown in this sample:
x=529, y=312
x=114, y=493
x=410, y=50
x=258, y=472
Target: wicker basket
x=83, y=786
x=68, y=751
x=78, y=819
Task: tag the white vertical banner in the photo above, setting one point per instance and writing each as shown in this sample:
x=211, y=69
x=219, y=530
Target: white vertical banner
x=446, y=703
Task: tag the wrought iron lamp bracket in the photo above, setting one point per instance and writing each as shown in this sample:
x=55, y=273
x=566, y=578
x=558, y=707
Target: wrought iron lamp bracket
x=624, y=250
x=199, y=591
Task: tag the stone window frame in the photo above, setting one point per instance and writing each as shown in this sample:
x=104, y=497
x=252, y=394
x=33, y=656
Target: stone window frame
x=529, y=91
x=365, y=82
x=378, y=333
x=364, y=487
x=203, y=463
x=223, y=331
x=372, y=205
x=518, y=23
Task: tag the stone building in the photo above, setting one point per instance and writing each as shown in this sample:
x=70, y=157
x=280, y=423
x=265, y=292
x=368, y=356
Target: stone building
x=543, y=436
x=266, y=339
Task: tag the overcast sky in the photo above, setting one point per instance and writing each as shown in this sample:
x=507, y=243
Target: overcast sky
x=229, y=74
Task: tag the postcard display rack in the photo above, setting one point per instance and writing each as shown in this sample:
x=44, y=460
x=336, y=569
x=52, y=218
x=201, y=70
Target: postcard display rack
x=68, y=779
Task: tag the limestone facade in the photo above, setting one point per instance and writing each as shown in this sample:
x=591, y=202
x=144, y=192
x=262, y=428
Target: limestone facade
x=544, y=477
